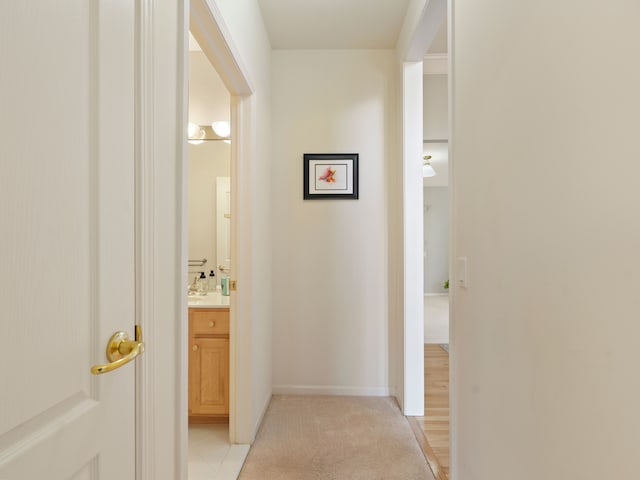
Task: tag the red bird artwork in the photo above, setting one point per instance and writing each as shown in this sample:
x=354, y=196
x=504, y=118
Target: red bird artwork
x=329, y=175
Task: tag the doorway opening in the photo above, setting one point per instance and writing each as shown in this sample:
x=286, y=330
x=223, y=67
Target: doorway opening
x=209, y=271
x=207, y=27
x=433, y=429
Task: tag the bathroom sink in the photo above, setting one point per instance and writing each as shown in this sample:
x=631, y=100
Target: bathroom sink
x=209, y=300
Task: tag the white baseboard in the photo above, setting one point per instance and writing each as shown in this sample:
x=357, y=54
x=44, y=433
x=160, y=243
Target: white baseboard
x=232, y=464
x=331, y=390
x=263, y=411
x=393, y=392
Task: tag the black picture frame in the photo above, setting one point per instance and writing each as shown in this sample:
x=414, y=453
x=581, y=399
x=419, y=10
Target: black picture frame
x=330, y=176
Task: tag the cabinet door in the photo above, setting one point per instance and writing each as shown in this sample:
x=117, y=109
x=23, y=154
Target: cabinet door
x=209, y=376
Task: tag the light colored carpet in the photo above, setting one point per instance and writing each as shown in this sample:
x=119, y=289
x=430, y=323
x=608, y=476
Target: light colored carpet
x=335, y=438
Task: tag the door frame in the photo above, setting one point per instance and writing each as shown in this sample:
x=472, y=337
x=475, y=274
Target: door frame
x=412, y=55
x=160, y=127
x=413, y=367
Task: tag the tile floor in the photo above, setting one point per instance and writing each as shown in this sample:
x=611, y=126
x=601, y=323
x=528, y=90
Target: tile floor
x=211, y=457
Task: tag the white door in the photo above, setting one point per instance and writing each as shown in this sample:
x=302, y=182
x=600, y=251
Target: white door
x=223, y=225
x=67, y=240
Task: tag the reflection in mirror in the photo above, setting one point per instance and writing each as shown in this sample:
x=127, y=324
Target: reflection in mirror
x=208, y=162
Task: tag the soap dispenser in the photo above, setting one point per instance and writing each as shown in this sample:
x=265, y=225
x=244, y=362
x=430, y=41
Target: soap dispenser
x=212, y=281
x=202, y=283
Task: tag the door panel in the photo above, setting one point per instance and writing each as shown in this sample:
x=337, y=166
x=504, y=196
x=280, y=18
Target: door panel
x=67, y=248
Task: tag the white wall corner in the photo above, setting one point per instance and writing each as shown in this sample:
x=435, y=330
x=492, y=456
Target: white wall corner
x=420, y=27
x=260, y=416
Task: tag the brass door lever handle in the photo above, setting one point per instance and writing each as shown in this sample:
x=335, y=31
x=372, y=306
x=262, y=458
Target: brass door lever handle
x=120, y=351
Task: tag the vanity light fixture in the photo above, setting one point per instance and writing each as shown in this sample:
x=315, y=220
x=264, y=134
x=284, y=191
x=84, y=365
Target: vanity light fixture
x=427, y=169
x=217, y=131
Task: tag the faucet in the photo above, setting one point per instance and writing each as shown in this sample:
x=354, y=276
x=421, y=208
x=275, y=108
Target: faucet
x=193, y=287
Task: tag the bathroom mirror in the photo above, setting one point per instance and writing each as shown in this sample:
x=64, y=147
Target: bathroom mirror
x=208, y=162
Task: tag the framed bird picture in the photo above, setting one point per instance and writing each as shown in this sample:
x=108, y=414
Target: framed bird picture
x=330, y=176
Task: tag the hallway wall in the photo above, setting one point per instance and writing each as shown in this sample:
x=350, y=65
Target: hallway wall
x=436, y=239
x=545, y=156
x=330, y=256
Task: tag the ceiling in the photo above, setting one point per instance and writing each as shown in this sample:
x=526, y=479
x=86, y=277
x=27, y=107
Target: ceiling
x=333, y=24
x=439, y=44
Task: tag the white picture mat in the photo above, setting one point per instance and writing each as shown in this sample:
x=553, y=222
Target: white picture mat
x=343, y=176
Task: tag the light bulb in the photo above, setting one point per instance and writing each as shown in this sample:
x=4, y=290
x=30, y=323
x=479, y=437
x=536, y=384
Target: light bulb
x=192, y=129
x=221, y=128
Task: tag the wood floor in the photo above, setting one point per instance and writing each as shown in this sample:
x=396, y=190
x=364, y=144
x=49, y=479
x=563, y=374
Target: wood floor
x=432, y=430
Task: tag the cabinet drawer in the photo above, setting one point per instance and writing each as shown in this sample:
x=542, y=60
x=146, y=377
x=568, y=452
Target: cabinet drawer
x=205, y=322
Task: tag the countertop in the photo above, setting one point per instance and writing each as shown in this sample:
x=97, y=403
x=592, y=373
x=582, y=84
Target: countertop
x=210, y=300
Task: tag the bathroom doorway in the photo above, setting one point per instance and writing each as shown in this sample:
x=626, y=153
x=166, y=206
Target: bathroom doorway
x=210, y=450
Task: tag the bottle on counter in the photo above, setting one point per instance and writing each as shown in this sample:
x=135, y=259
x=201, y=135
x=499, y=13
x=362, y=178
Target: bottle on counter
x=212, y=281
x=203, y=284
x=224, y=285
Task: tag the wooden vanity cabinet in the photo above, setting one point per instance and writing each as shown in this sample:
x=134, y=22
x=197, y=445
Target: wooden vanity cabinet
x=208, y=365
